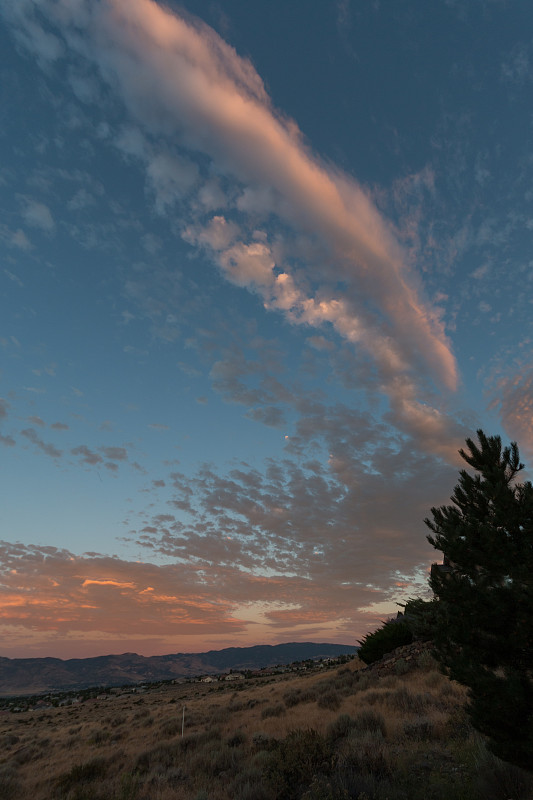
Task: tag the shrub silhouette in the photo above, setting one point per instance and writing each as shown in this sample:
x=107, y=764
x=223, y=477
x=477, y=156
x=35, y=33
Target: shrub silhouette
x=391, y=635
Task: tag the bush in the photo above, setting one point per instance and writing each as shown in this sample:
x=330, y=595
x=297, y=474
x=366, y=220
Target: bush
x=214, y=759
x=369, y=720
x=391, y=635
x=82, y=774
x=171, y=727
x=9, y=786
x=402, y=699
x=340, y=728
x=364, y=721
x=498, y=780
x=263, y=741
x=273, y=711
x=295, y=696
x=296, y=761
x=377, y=696
x=426, y=662
x=236, y=739
x=366, y=753
x=251, y=791
x=401, y=667
x=421, y=729
x=330, y=699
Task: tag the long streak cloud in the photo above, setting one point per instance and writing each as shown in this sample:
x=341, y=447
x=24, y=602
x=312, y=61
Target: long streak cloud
x=182, y=83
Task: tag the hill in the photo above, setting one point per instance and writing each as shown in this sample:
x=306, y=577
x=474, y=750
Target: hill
x=339, y=733
x=20, y=676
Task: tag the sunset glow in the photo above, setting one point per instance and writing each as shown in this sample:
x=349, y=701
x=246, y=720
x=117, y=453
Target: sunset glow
x=261, y=277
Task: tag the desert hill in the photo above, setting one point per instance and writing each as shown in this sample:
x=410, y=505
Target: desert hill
x=339, y=733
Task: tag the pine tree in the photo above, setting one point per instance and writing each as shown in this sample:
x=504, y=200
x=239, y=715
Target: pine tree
x=483, y=634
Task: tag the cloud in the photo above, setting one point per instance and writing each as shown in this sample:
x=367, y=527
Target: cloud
x=37, y=421
x=115, y=453
x=67, y=599
x=20, y=240
x=59, y=426
x=47, y=46
x=190, y=91
x=170, y=178
x=513, y=398
x=52, y=590
x=250, y=554
x=80, y=200
x=109, y=457
x=87, y=455
x=4, y=405
x=14, y=278
x=38, y=215
x=517, y=67
x=46, y=447
x=346, y=522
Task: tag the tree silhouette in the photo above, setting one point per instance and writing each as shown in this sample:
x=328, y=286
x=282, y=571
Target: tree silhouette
x=483, y=632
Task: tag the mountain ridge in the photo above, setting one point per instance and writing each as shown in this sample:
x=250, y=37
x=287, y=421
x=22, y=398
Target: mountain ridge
x=20, y=676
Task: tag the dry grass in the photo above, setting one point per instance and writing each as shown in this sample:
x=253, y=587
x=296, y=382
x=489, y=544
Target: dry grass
x=328, y=736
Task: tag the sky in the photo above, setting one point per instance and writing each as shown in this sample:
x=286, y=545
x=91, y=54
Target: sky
x=264, y=267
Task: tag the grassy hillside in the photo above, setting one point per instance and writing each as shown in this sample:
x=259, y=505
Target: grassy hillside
x=331, y=735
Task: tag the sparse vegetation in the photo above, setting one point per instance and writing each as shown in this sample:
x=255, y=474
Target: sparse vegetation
x=395, y=737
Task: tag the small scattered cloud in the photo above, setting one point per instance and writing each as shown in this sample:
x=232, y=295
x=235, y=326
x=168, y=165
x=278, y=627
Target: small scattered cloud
x=517, y=67
x=115, y=453
x=16, y=239
x=170, y=178
x=35, y=389
x=4, y=405
x=46, y=447
x=512, y=395
x=14, y=278
x=321, y=343
x=87, y=456
x=38, y=215
x=82, y=199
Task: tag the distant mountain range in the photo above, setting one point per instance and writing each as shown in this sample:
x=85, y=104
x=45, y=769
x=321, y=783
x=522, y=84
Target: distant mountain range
x=20, y=676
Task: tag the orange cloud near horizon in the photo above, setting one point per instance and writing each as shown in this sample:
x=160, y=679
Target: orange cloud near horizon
x=157, y=610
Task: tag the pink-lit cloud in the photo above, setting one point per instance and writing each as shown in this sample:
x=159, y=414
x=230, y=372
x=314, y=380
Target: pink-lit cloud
x=51, y=598
x=514, y=401
x=182, y=83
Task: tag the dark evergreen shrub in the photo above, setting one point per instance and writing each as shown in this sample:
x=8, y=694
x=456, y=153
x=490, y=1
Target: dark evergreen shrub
x=391, y=635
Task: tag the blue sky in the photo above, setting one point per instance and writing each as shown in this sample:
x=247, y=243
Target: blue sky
x=264, y=267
